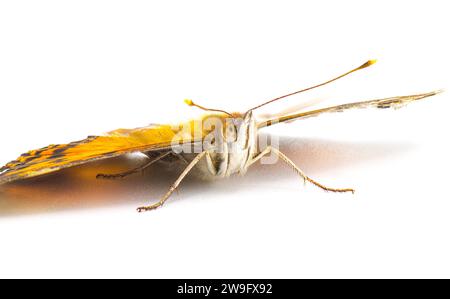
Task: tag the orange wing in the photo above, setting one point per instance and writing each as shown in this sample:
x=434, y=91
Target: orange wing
x=115, y=143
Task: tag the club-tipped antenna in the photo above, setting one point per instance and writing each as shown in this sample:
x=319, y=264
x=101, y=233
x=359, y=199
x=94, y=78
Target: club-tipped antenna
x=363, y=66
x=192, y=104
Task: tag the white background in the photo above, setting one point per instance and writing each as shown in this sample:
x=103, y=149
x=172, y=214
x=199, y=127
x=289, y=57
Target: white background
x=69, y=69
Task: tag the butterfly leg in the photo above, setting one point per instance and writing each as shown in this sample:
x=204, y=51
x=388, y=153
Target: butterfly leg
x=289, y=162
x=175, y=185
x=132, y=171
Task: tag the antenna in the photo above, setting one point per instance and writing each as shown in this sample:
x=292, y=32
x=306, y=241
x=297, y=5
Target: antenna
x=192, y=104
x=363, y=66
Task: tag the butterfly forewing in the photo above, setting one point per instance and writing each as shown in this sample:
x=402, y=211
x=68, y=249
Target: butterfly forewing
x=115, y=143
x=392, y=102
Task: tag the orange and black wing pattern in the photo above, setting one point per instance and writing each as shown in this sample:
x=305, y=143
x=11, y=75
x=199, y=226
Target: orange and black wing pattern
x=115, y=143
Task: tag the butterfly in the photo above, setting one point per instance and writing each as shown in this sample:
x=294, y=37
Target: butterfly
x=218, y=145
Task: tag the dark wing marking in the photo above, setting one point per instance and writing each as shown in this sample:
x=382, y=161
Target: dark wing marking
x=115, y=143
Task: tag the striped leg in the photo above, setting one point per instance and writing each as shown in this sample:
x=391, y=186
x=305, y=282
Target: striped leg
x=289, y=162
x=174, y=186
x=132, y=171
